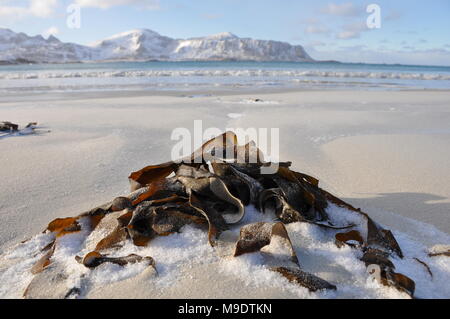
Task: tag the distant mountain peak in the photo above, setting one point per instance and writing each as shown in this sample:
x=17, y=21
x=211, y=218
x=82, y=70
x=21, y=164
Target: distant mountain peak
x=142, y=31
x=52, y=38
x=6, y=31
x=134, y=32
x=144, y=45
x=222, y=36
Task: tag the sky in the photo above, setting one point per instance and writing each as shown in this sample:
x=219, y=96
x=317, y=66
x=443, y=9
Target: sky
x=410, y=32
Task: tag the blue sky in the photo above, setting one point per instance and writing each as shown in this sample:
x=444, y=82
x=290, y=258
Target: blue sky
x=414, y=32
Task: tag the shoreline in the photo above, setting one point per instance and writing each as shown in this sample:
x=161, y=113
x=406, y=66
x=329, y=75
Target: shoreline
x=87, y=95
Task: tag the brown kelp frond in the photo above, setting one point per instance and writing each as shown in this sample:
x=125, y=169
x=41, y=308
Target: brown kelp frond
x=63, y=226
x=95, y=259
x=439, y=251
x=216, y=222
x=383, y=270
x=352, y=238
x=255, y=237
x=298, y=276
x=150, y=174
x=382, y=238
x=425, y=265
x=44, y=261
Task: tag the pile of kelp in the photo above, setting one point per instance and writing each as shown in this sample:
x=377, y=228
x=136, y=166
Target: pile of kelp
x=212, y=188
x=8, y=128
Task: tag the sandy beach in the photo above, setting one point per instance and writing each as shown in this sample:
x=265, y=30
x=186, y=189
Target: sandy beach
x=255, y=152
x=384, y=151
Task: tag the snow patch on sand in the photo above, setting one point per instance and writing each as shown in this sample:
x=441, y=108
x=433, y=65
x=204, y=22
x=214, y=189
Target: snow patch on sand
x=314, y=246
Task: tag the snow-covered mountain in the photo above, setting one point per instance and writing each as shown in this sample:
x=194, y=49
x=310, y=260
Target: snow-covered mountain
x=143, y=45
x=135, y=45
x=228, y=46
x=19, y=47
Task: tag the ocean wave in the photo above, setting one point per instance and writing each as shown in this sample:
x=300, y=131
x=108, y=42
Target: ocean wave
x=223, y=73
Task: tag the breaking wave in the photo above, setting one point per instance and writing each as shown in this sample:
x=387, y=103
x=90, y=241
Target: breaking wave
x=223, y=73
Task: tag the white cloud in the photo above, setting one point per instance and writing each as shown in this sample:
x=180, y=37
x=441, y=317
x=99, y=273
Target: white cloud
x=357, y=27
x=316, y=29
x=11, y=11
x=345, y=35
x=105, y=4
x=345, y=9
x=37, y=8
x=42, y=8
x=50, y=31
x=352, y=31
x=348, y=11
x=316, y=44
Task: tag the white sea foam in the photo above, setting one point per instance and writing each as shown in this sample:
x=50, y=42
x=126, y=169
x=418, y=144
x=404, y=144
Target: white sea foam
x=223, y=73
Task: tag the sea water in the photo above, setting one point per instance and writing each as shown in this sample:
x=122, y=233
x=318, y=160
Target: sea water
x=216, y=76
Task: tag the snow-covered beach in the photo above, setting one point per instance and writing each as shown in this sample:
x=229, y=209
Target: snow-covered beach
x=386, y=152
x=224, y=157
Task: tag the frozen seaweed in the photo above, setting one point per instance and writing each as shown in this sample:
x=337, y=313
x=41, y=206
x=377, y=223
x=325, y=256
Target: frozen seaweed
x=171, y=195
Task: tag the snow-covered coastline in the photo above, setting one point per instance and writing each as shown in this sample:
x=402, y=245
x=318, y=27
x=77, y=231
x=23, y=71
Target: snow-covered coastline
x=145, y=45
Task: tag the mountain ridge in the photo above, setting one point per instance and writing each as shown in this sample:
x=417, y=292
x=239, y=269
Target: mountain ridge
x=145, y=45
